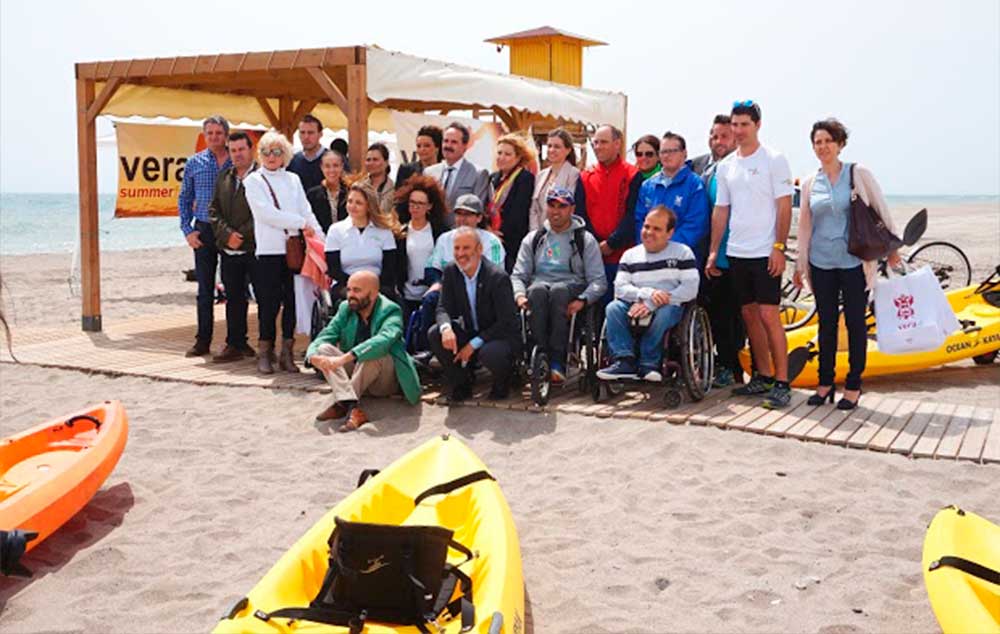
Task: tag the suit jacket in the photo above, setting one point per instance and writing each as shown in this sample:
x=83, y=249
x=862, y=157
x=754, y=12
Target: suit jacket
x=496, y=312
x=470, y=179
x=514, y=213
x=699, y=163
x=320, y=204
x=229, y=211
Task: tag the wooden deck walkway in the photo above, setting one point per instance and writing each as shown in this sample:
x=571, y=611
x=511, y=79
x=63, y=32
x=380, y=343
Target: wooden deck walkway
x=153, y=347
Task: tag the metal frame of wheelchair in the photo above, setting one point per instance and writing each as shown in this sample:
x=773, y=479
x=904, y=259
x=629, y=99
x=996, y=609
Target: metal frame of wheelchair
x=581, y=356
x=688, y=362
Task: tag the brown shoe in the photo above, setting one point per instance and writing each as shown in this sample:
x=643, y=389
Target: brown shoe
x=357, y=419
x=335, y=411
x=199, y=349
x=247, y=351
x=229, y=353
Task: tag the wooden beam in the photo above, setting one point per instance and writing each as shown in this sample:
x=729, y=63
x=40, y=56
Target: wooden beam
x=285, y=117
x=329, y=88
x=265, y=106
x=505, y=117
x=357, y=114
x=102, y=100
x=90, y=253
x=305, y=107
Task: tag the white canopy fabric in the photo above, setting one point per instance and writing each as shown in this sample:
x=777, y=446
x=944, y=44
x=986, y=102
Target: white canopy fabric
x=393, y=75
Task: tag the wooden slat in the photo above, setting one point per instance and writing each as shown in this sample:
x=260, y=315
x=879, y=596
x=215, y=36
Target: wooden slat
x=914, y=428
x=991, y=449
x=772, y=418
x=854, y=421
x=975, y=437
x=818, y=424
x=933, y=431
x=951, y=441
x=681, y=415
x=885, y=436
x=881, y=415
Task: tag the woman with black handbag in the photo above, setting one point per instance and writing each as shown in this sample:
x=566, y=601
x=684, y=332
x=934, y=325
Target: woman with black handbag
x=281, y=217
x=825, y=260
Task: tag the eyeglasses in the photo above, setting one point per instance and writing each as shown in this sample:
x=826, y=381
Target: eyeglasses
x=646, y=154
x=746, y=103
x=275, y=151
x=418, y=203
x=669, y=151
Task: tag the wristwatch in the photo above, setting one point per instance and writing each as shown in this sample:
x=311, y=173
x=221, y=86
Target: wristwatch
x=780, y=246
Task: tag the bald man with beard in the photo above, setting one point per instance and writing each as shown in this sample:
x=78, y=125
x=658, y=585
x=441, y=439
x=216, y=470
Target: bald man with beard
x=369, y=326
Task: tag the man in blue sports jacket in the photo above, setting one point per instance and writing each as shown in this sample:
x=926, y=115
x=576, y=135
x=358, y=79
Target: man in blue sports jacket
x=679, y=189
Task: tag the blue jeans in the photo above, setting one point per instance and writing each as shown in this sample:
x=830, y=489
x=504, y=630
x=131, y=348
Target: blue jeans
x=206, y=262
x=622, y=343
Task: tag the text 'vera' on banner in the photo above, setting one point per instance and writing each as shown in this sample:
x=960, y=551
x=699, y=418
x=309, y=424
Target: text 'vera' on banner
x=151, y=162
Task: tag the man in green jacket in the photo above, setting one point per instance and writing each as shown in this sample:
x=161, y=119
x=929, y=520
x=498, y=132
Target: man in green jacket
x=369, y=326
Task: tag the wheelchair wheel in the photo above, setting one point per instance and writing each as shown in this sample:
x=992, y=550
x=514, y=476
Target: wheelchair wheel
x=541, y=377
x=672, y=399
x=697, y=359
x=588, y=354
x=949, y=263
x=987, y=358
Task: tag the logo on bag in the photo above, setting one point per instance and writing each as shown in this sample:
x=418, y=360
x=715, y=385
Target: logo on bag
x=904, y=306
x=374, y=564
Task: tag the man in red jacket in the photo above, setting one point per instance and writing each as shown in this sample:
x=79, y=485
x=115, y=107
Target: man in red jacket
x=605, y=198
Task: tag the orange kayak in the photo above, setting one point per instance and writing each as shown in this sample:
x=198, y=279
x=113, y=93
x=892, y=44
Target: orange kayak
x=49, y=472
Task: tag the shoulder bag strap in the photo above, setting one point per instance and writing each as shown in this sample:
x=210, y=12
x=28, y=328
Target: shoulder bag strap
x=271, y=189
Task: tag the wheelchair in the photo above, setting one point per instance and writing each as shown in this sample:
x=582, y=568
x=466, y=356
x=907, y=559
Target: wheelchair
x=581, y=356
x=688, y=363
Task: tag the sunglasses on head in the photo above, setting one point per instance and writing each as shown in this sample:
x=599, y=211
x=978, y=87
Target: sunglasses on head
x=746, y=103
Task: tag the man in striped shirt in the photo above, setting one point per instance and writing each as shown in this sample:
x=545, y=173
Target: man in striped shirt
x=653, y=282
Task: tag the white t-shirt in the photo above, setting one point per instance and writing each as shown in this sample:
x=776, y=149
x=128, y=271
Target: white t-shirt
x=419, y=244
x=750, y=186
x=359, y=251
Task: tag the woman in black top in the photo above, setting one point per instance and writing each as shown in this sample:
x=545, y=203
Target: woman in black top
x=513, y=186
x=331, y=194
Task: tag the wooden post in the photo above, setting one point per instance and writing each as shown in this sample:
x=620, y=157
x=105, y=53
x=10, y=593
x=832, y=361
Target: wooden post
x=285, y=111
x=357, y=114
x=90, y=252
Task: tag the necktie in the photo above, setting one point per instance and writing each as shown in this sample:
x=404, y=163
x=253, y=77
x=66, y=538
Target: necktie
x=447, y=179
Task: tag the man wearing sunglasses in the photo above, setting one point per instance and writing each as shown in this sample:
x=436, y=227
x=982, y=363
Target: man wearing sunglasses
x=679, y=189
x=754, y=200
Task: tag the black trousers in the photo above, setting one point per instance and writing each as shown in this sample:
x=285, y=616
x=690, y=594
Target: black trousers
x=727, y=323
x=236, y=269
x=497, y=356
x=549, y=324
x=275, y=291
x=829, y=286
x=206, y=262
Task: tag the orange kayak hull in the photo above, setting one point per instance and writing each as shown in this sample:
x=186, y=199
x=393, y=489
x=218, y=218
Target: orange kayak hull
x=48, y=473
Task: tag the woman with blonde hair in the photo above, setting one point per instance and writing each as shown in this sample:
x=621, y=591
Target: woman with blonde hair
x=280, y=210
x=561, y=172
x=364, y=241
x=513, y=186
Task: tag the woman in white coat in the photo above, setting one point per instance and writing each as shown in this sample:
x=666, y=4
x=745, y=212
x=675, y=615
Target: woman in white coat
x=561, y=172
x=280, y=210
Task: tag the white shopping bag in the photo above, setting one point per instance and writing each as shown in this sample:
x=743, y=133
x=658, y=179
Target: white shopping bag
x=912, y=313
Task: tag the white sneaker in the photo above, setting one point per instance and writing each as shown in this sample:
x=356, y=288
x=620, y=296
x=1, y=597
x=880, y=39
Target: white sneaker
x=653, y=376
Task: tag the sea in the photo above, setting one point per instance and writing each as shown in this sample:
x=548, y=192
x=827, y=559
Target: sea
x=50, y=223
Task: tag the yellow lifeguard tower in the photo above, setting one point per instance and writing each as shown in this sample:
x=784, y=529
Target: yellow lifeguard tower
x=546, y=53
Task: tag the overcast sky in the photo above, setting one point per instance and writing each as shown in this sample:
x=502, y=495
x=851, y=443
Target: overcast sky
x=917, y=82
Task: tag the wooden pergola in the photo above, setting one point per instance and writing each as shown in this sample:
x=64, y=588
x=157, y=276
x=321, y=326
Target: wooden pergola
x=285, y=86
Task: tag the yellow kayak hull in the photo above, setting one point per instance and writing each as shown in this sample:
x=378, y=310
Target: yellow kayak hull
x=477, y=513
x=962, y=602
x=963, y=344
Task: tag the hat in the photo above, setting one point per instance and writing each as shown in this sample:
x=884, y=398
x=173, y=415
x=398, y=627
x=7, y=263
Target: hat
x=470, y=203
x=560, y=195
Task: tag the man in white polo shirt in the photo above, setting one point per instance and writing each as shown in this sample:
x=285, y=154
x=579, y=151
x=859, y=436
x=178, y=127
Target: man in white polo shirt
x=755, y=200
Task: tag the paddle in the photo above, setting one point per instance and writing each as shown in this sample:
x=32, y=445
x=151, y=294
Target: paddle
x=915, y=228
x=797, y=360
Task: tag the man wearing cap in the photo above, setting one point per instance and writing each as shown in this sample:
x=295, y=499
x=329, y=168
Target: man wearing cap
x=558, y=272
x=468, y=213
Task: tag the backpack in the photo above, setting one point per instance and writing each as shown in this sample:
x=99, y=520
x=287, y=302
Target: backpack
x=579, y=241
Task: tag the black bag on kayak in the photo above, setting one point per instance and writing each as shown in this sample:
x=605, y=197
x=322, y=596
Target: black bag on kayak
x=388, y=574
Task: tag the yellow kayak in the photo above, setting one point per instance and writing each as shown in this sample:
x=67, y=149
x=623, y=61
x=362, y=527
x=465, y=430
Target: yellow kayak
x=438, y=496
x=979, y=337
x=962, y=571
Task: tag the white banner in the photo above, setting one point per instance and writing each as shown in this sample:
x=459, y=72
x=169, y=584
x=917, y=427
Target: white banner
x=482, y=144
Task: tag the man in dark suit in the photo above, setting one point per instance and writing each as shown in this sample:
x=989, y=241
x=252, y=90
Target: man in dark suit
x=457, y=174
x=476, y=319
x=720, y=142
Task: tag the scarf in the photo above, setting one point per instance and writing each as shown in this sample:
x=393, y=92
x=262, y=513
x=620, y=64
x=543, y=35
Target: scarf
x=500, y=197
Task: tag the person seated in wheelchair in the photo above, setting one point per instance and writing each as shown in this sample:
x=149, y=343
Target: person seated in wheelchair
x=559, y=271
x=654, y=281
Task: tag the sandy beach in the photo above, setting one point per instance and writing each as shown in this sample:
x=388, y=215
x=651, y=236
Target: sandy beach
x=625, y=526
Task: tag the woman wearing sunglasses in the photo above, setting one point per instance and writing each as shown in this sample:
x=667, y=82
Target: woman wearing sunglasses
x=647, y=155
x=280, y=210
x=827, y=267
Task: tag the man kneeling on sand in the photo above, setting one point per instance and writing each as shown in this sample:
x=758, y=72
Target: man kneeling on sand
x=369, y=326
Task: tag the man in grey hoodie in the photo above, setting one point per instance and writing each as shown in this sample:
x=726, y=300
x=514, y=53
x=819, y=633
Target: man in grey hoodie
x=558, y=272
